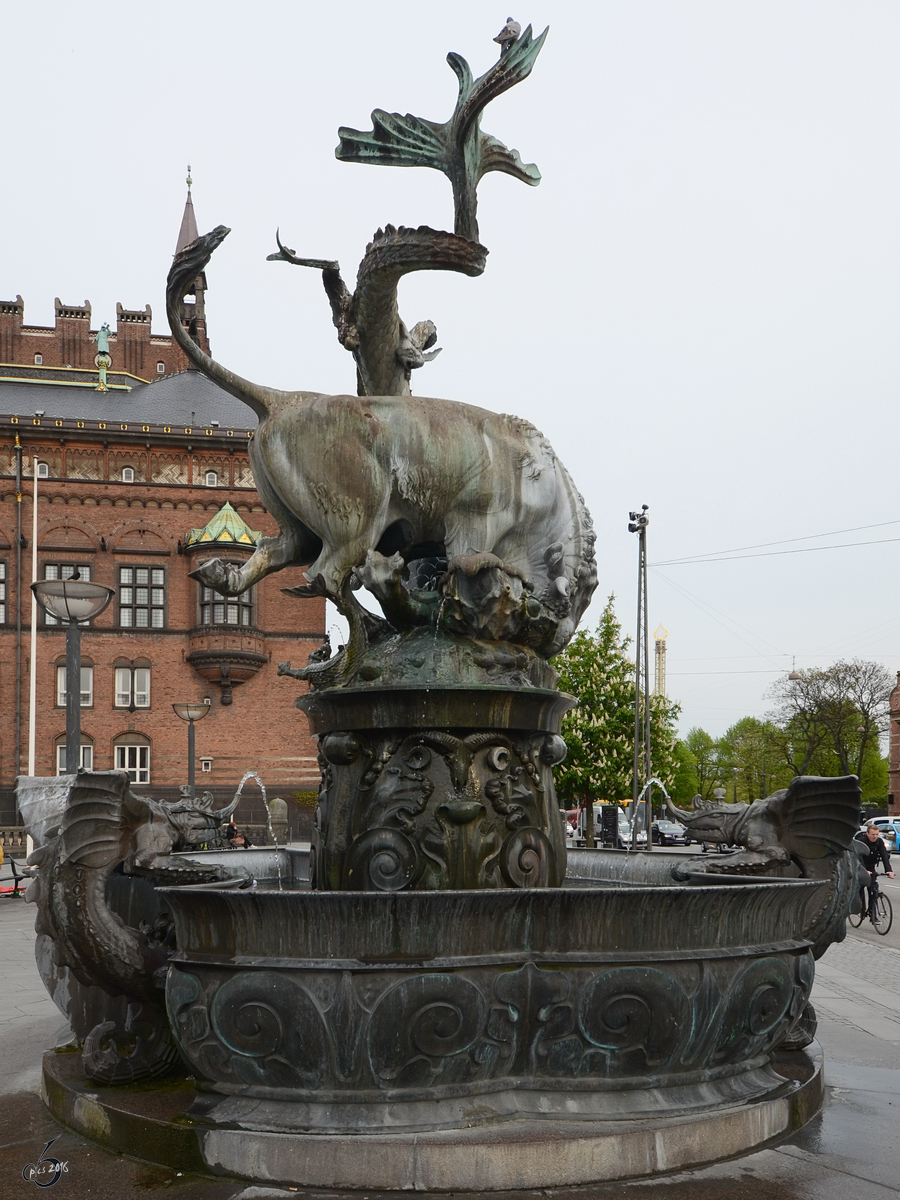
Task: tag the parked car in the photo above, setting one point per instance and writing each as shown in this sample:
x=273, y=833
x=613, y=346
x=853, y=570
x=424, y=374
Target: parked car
x=670, y=833
x=624, y=833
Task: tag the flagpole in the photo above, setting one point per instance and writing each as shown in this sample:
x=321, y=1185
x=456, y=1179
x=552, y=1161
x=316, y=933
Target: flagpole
x=32, y=687
x=32, y=681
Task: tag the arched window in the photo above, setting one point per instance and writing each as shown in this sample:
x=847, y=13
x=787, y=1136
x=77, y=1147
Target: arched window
x=87, y=753
x=128, y=474
x=131, y=753
x=160, y=368
x=132, y=684
x=212, y=479
x=43, y=470
x=87, y=683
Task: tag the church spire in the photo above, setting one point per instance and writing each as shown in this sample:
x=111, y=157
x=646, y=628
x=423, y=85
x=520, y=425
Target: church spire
x=188, y=232
x=193, y=306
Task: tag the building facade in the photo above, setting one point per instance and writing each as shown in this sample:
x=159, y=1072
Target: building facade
x=138, y=480
x=894, y=752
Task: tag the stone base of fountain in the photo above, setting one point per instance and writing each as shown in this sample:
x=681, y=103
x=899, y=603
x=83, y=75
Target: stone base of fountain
x=495, y=1039
x=437, y=789
x=155, y=1123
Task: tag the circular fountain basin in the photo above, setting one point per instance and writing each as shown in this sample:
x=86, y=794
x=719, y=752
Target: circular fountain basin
x=340, y=1012
x=470, y=1041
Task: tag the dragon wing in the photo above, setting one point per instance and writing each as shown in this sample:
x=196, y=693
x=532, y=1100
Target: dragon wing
x=94, y=829
x=817, y=816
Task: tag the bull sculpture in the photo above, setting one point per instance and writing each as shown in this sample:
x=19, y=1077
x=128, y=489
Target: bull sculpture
x=370, y=484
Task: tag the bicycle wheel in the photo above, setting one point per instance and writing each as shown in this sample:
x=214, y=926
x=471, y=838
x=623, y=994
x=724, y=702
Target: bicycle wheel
x=883, y=915
x=856, y=919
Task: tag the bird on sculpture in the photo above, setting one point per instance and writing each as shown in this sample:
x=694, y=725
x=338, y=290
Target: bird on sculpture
x=508, y=35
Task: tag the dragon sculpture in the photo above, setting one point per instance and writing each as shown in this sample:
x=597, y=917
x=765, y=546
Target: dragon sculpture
x=104, y=939
x=805, y=829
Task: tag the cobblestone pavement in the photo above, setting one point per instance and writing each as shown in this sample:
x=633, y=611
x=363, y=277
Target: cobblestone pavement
x=848, y=1152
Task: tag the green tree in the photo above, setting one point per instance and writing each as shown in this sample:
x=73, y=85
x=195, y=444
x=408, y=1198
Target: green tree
x=664, y=757
x=701, y=750
x=684, y=782
x=749, y=761
x=830, y=721
x=596, y=669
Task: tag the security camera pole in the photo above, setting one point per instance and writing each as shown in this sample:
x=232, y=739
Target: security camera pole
x=638, y=524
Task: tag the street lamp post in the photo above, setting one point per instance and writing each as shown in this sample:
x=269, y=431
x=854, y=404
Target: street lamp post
x=638, y=524
x=72, y=601
x=191, y=712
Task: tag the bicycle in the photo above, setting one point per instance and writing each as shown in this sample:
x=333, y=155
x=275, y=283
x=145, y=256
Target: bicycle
x=881, y=914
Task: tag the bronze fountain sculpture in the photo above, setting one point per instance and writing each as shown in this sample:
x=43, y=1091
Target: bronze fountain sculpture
x=437, y=999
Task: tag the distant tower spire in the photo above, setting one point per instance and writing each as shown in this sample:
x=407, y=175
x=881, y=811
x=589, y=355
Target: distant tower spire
x=188, y=232
x=193, y=307
x=660, y=655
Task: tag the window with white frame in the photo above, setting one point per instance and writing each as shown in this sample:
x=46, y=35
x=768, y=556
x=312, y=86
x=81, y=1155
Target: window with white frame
x=128, y=474
x=66, y=571
x=132, y=687
x=87, y=686
x=134, y=757
x=39, y=360
x=2, y=592
x=160, y=368
x=212, y=479
x=43, y=470
x=87, y=758
x=142, y=597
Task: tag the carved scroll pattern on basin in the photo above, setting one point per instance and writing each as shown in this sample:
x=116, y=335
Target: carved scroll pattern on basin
x=258, y=1028
x=433, y=810
x=305, y=1029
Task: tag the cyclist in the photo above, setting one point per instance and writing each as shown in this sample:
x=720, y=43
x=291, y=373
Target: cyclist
x=872, y=850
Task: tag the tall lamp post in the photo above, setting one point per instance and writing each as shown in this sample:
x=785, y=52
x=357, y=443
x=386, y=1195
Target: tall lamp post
x=638, y=524
x=191, y=712
x=72, y=601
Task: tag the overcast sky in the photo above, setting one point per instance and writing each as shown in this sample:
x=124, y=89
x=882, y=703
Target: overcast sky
x=698, y=306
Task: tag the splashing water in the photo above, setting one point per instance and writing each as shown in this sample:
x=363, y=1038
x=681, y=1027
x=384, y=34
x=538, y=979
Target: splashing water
x=438, y=619
x=641, y=794
x=273, y=837
x=649, y=784
x=240, y=787
x=262, y=788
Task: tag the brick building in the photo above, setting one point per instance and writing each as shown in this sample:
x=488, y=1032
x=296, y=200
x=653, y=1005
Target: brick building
x=138, y=483
x=894, y=752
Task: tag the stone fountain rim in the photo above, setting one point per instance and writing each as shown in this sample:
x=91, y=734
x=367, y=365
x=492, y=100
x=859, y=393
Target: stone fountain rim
x=566, y=924
x=415, y=707
x=411, y=895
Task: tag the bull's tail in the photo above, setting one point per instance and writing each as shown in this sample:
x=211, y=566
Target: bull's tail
x=188, y=265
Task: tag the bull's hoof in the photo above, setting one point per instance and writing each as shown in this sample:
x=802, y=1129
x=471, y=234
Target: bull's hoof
x=315, y=587
x=214, y=574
